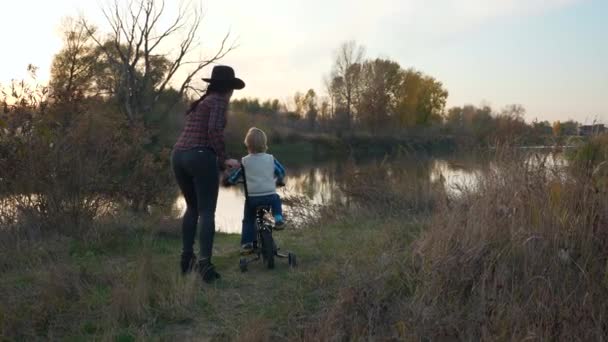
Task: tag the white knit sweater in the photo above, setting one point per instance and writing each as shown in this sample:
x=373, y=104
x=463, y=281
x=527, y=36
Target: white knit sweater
x=259, y=170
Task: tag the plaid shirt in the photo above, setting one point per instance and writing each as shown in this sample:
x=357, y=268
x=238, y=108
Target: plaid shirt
x=205, y=127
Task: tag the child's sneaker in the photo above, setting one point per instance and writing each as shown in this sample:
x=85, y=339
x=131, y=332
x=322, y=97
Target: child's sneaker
x=279, y=222
x=247, y=248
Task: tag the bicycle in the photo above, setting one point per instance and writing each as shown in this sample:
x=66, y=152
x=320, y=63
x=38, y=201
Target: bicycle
x=265, y=247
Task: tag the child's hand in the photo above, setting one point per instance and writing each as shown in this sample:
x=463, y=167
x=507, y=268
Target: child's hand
x=225, y=183
x=232, y=164
x=224, y=178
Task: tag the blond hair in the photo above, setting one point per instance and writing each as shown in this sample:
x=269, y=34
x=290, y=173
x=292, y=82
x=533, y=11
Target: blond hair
x=256, y=140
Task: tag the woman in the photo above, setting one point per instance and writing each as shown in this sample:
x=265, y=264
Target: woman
x=198, y=156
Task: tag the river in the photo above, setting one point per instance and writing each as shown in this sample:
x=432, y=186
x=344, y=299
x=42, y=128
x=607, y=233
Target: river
x=320, y=181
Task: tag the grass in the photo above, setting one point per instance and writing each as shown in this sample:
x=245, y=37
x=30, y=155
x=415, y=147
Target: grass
x=521, y=256
x=125, y=285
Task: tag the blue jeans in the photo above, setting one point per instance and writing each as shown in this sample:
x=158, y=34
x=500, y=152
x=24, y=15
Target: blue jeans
x=274, y=201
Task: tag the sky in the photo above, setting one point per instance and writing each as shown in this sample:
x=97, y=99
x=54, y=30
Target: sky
x=551, y=56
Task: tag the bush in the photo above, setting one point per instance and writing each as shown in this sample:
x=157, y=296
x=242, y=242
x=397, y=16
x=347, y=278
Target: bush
x=58, y=177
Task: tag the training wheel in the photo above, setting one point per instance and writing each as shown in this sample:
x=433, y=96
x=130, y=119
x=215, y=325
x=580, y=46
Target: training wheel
x=243, y=265
x=291, y=259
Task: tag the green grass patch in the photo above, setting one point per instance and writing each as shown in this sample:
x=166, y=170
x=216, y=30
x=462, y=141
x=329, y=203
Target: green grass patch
x=128, y=287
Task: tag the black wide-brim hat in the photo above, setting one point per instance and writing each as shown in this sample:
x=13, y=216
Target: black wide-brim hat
x=223, y=74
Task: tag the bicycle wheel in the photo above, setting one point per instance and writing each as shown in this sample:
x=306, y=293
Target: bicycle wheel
x=268, y=248
x=243, y=264
x=291, y=259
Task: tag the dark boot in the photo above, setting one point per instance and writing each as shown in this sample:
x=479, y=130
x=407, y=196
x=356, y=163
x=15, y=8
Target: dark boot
x=187, y=262
x=207, y=271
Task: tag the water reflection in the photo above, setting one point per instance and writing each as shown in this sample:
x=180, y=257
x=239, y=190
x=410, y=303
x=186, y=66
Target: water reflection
x=454, y=176
x=320, y=183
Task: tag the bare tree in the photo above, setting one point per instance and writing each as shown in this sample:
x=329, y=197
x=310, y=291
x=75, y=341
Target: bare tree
x=331, y=95
x=135, y=47
x=346, y=75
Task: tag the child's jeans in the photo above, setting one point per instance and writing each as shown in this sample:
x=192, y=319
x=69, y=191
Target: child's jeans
x=251, y=203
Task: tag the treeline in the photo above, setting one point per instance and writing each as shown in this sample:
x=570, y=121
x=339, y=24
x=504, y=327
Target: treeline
x=368, y=94
x=380, y=97
x=115, y=105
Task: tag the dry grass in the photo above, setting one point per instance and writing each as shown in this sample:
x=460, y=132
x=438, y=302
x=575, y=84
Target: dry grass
x=521, y=257
x=122, y=282
x=373, y=278
x=113, y=280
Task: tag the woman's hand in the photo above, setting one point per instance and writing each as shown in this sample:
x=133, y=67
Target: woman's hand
x=232, y=164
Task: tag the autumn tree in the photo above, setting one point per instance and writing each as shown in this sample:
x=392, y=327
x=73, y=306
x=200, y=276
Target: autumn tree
x=421, y=99
x=432, y=102
x=379, y=93
x=569, y=127
x=477, y=122
x=380, y=83
x=454, y=119
x=557, y=129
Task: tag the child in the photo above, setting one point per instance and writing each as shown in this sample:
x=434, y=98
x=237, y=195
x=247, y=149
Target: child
x=262, y=174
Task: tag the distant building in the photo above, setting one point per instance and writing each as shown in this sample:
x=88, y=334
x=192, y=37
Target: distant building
x=587, y=130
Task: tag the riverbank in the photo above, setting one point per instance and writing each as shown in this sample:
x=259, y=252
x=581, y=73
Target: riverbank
x=306, y=148
x=298, y=149
x=123, y=283
x=519, y=255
